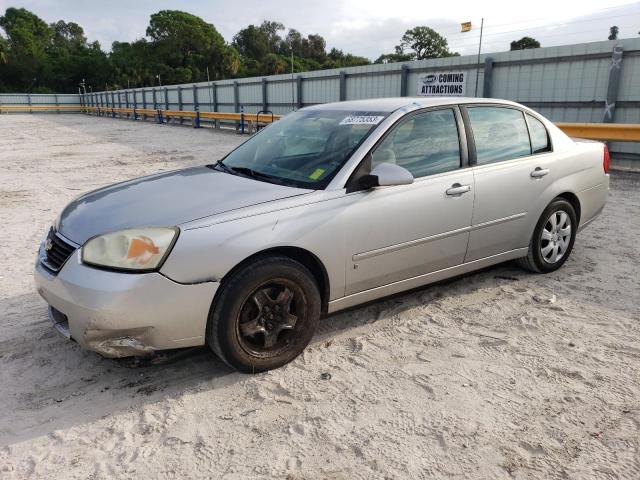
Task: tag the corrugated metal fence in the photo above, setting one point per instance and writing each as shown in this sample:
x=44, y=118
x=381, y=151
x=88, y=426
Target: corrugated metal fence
x=40, y=99
x=591, y=82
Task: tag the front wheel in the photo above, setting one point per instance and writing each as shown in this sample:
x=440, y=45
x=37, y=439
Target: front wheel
x=552, y=239
x=265, y=315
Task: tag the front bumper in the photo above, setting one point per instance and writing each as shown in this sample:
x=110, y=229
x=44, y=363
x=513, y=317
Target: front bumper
x=122, y=314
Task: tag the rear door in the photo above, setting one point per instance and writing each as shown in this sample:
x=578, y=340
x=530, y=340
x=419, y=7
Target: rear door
x=513, y=166
x=399, y=232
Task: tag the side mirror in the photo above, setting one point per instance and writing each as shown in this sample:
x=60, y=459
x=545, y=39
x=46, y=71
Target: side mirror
x=386, y=175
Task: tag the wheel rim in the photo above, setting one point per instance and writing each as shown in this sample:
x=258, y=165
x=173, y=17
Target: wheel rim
x=270, y=317
x=555, y=237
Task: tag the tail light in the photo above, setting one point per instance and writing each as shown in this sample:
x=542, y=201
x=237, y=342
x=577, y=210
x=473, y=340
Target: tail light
x=606, y=160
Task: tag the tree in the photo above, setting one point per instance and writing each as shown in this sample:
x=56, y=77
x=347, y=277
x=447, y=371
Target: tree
x=338, y=59
x=186, y=45
x=70, y=59
x=525, y=43
x=179, y=46
x=273, y=64
x=270, y=31
x=613, y=33
x=424, y=42
x=255, y=42
x=398, y=56
x=132, y=64
x=27, y=38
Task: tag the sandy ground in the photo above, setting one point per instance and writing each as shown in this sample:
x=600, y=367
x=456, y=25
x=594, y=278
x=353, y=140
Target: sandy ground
x=499, y=374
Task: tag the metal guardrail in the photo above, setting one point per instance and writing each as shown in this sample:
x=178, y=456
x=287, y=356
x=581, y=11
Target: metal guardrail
x=182, y=114
x=618, y=132
x=40, y=108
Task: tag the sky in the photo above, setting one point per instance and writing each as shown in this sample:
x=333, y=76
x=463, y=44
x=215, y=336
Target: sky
x=362, y=27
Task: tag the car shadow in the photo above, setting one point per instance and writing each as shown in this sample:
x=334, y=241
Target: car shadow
x=49, y=383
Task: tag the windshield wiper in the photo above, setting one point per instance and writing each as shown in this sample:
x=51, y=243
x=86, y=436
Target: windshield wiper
x=244, y=171
x=249, y=172
x=221, y=165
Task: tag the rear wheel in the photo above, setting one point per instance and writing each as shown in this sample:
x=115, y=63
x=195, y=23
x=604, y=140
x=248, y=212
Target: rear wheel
x=552, y=239
x=265, y=315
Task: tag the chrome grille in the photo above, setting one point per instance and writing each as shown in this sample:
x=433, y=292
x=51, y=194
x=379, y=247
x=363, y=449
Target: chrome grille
x=57, y=251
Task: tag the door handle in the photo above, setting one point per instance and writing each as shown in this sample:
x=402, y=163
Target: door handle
x=539, y=172
x=457, y=189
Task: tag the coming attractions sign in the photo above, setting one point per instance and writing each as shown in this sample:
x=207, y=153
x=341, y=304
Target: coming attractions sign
x=442, y=84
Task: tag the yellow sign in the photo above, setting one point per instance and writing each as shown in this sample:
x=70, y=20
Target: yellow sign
x=466, y=26
x=316, y=174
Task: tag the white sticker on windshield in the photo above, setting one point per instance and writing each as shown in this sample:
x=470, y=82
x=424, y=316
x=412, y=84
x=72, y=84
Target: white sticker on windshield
x=362, y=120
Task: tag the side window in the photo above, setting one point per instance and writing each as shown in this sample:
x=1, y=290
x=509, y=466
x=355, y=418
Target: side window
x=499, y=134
x=425, y=144
x=539, y=137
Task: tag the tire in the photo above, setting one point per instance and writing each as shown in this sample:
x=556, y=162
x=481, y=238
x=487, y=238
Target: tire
x=265, y=315
x=542, y=256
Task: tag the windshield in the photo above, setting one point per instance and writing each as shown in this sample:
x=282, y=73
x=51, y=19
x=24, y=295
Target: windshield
x=304, y=149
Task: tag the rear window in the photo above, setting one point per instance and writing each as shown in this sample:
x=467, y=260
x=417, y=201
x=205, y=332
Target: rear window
x=539, y=136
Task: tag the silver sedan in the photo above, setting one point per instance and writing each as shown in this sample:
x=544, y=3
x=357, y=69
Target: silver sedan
x=330, y=207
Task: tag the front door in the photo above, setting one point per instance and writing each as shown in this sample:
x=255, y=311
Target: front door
x=399, y=232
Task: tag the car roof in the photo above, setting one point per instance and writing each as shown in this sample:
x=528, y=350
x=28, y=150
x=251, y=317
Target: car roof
x=411, y=103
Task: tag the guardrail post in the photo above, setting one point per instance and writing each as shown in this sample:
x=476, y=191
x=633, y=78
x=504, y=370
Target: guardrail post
x=144, y=103
x=126, y=101
x=265, y=102
x=179, y=88
x=236, y=99
x=236, y=96
x=214, y=100
x=343, y=86
x=196, y=106
x=613, y=86
x=404, y=77
x=299, y=91
x=241, y=118
x=487, y=82
x=135, y=103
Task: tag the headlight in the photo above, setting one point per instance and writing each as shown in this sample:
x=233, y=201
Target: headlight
x=134, y=249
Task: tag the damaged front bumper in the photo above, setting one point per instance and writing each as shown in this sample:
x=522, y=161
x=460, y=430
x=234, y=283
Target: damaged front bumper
x=123, y=314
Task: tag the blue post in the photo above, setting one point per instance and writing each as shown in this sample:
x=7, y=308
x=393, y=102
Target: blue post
x=160, y=120
x=197, y=120
x=241, y=118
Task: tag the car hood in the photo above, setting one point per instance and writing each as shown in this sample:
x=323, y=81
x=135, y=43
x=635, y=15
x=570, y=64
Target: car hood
x=163, y=200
